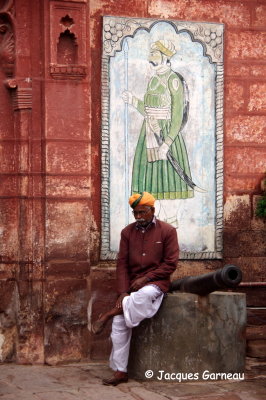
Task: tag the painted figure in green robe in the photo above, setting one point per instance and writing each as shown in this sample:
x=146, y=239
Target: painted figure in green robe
x=163, y=109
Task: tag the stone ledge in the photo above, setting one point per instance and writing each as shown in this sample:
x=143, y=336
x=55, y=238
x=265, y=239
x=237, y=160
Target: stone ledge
x=68, y=71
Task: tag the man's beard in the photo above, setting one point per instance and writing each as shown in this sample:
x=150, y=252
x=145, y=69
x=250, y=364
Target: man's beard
x=143, y=222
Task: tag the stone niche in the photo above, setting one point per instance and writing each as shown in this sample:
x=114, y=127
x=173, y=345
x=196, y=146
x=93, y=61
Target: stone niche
x=191, y=334
x=68, y=58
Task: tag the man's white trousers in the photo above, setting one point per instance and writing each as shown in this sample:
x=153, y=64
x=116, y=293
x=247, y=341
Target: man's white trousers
x=139, y=305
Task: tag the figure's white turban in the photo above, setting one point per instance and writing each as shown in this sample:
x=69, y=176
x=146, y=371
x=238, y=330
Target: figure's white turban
x=164, y=46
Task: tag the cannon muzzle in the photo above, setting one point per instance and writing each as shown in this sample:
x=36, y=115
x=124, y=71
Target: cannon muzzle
x=227, y=277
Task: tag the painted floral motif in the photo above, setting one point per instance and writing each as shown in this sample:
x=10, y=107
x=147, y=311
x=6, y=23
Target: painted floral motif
x=212, y=37
x=113, y=31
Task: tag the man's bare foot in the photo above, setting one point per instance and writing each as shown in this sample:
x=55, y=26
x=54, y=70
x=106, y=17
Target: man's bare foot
x=98, y=326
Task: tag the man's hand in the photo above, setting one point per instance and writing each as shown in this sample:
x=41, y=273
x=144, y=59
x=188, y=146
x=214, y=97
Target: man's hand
x=162, y=151
x=127, y=97
x=139, y=283
x=120, y=299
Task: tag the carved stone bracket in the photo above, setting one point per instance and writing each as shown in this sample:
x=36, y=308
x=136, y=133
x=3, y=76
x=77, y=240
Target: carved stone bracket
x=22, y=99
x=210, y=35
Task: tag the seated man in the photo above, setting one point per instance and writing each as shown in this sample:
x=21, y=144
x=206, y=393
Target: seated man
x=148, y=255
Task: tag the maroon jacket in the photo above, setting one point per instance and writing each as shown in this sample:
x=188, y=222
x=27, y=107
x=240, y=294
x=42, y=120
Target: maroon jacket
x=152, y=253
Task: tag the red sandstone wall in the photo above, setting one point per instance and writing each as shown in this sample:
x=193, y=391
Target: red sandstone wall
x=45, y=190
x=50, y=169
x=67, y=186
x=244, y=130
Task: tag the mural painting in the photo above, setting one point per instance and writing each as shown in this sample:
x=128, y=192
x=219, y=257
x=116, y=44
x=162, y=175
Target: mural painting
x=162, y=128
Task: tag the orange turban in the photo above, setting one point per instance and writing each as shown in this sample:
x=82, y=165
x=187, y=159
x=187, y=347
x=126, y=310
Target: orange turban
x=142, y=199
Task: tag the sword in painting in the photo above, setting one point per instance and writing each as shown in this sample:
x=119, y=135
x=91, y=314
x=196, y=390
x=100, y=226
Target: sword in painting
x=178, y=169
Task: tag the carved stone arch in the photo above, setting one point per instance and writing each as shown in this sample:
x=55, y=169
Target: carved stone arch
x=67, y=48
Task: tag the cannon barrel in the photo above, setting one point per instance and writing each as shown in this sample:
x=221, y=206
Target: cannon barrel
x=227, y=277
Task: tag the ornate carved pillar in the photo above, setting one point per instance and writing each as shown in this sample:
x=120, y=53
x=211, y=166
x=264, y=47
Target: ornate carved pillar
x=27, y=104
x=22, y=74
x=46, y=153
x=8, y=190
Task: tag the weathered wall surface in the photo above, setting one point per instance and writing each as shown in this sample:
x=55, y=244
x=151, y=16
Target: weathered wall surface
x=45, y=186
x=67, y=170
x=50, y=127
x=244, y=130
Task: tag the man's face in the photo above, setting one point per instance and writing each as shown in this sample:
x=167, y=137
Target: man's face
x=155, y=58
x=143, y=214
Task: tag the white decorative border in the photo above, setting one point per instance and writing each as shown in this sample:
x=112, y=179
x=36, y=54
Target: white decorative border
x=210, y=35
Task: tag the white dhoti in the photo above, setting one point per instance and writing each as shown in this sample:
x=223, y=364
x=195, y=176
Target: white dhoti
x=139, y=305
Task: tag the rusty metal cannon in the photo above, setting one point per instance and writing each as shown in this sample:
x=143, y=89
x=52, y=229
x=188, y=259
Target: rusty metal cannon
x=227, y=277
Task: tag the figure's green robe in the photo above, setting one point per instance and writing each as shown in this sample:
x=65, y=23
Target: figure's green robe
x=158, y=177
